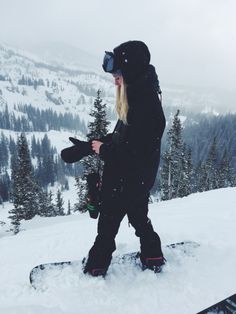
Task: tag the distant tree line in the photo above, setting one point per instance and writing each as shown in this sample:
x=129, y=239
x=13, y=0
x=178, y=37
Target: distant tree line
x=33, y=119
x=181, y=175
x=201, y=134
x=31, y=82
x=85, y=88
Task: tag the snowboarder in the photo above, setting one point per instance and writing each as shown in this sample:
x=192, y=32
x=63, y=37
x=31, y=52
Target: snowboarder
x=131, y=157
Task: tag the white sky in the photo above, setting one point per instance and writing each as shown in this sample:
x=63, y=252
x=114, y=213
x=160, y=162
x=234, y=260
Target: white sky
x=191, y=41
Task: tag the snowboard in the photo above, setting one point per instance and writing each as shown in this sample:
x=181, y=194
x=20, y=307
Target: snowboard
x=40, y=271
x=226, y=306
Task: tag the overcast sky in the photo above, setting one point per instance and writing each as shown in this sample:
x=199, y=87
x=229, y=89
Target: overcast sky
x=191, y=41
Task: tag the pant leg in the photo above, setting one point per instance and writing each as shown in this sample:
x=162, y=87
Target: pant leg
x=149, y=240
x=101, y=252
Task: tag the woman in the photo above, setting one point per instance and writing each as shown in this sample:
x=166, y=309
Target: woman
x=131, y=157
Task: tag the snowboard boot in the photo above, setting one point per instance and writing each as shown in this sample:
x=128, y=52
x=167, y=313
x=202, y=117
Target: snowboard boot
x=96, y=265
x=95, y=272
x=153, y=263
x=151, y=253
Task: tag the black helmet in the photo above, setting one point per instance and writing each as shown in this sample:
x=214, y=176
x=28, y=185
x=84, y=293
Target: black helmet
x=131, y=58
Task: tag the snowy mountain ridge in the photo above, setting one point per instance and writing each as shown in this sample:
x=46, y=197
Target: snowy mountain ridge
x=188, y=283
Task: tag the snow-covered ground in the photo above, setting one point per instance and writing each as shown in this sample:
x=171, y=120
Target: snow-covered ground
x=187, y=284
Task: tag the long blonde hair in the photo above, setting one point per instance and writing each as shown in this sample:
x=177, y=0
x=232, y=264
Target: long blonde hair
x=122, y=106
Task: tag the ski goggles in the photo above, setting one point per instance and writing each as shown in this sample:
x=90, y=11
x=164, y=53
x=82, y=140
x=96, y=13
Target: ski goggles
x=109, y=62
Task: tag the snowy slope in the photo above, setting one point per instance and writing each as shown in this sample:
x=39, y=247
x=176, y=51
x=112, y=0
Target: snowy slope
x=188, y=283
x=71, y=89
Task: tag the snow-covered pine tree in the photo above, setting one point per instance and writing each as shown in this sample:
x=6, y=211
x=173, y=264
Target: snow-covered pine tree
x=189, y=171
x=46, y=206
x=165, y=175
x=211, y=168
x=4, y=186
x=15, y=220
x=25, y=190
x=47, y=162
x=33, y=147
x=185, y=181
x=200, y=177
x=225, y=172
x=172, y=166
x=4, y=154
x=97, y=129
x=68, y=208
x=59, y=204
x=81, y=185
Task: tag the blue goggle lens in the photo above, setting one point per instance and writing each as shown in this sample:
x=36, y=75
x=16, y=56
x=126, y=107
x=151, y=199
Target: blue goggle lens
x=108, y=62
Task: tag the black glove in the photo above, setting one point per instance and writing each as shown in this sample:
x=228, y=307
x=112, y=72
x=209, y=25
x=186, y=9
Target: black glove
x=77, y=152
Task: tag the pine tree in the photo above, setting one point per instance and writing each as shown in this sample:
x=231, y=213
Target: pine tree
x=4, y=186
x=48, y=169
x=68, y=208
x=51, y=207
x=46, y=206
x=6, y=122
x=211, y=168
x=59, y=204
x=225, y=173
x=4, y=155
x=185, y=181
x=165, y=176
x=12, y=146
x=189, y=171
x=97, y=129
x=172, y=166
x=33, y=147
x=82, y=195
x=25, y=191
x=15, y=221
x=201, y=177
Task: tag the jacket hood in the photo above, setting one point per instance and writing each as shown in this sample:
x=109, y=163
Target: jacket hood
x=149, y=80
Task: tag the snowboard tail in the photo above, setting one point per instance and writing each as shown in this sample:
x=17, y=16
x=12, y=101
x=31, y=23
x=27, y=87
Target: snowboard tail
x=226, y=306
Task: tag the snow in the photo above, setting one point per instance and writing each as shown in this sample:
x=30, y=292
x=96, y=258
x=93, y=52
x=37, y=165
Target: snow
x=188, y=283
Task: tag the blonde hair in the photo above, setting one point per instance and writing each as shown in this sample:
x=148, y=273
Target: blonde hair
x=122, y=106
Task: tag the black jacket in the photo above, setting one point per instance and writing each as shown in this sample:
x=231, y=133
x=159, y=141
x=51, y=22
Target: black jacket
x=132, y=152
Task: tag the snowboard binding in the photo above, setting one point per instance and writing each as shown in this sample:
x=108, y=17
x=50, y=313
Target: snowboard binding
x=153, y=263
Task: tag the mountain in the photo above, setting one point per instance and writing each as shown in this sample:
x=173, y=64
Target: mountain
x=25, y=79
x=188, y=283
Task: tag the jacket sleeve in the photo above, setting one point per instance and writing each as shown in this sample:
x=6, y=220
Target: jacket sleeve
x=106, y=139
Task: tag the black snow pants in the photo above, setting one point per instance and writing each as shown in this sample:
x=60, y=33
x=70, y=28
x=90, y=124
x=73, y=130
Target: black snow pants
x=100, y=254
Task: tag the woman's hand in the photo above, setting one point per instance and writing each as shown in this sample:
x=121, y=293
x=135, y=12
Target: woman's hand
x=96, y=146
